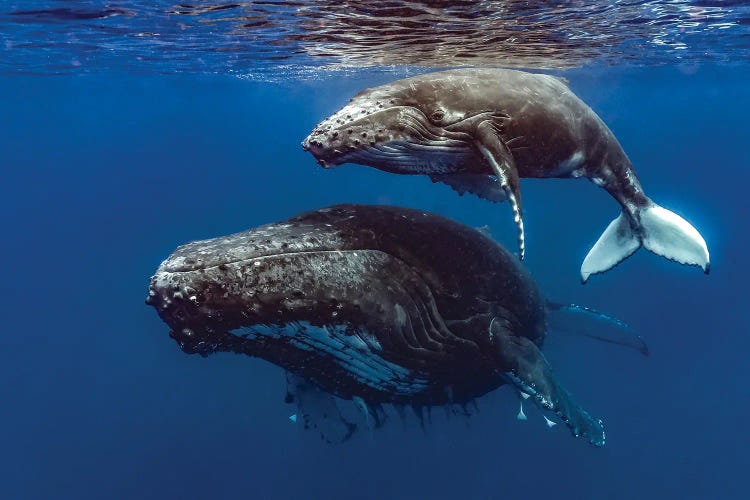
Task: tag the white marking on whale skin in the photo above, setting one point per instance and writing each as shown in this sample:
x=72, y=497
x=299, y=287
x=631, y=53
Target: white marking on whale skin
x=400, y=315
x=356, y=342
x=570, y=165
x=530, y=390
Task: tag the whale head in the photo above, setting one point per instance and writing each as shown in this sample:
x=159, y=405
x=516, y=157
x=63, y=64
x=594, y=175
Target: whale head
x=209, y=291
x=418, y=125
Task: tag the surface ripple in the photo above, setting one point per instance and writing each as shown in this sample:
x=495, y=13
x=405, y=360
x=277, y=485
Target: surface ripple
x=274, y=38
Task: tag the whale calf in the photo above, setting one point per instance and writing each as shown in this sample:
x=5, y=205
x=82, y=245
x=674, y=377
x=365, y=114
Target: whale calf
x=481, y=130
x=371, y=304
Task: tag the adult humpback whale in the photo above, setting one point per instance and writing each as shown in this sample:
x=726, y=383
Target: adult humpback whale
x=480, y=130
x=371, y=304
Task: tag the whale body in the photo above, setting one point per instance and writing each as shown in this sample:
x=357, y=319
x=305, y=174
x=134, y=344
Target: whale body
x=482, y=130
x=372, y=304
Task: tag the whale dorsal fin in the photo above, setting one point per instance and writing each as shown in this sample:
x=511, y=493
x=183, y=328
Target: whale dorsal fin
x=483, y=186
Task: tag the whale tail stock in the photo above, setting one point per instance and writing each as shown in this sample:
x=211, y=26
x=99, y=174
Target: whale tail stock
x=657, y=229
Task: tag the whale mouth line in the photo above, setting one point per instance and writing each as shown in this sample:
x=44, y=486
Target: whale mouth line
x=407, y=154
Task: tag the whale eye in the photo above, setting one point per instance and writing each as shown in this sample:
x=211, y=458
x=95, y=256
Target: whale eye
x=437, y=115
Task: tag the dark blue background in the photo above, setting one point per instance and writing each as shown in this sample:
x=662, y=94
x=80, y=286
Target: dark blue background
x=103, y=176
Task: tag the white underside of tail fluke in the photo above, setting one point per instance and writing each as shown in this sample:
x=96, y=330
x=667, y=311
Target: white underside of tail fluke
x=616, y=244
x=667, y=234
x=661, y=231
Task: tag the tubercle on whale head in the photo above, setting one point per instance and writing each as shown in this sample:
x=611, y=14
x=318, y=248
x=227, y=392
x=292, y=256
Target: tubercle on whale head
x=178, y=304
x=207, y=289
x=397, y=138
x=355, y=128
x=374, y=122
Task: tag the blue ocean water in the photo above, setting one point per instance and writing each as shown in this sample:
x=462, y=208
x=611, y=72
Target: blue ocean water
x=108, y=164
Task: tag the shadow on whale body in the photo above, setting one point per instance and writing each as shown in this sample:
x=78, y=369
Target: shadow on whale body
x=482, y=130
x=375, y=305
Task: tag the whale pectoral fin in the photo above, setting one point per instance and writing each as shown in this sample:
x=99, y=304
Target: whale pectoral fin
x=483, y=186
x=501, y=161
x=317, y=410
x=584, y=321
x=526, y=368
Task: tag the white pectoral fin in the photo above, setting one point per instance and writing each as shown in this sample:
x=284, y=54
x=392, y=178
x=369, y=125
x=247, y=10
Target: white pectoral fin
x=617, y=243
x=667, y=234
x=501, y=161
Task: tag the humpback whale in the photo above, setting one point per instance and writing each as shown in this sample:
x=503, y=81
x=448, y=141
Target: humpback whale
x=481, y=130
x=375, y=305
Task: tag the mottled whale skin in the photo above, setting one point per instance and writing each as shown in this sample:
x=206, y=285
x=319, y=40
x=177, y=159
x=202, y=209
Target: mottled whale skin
x=481, y=130
x=375, y=304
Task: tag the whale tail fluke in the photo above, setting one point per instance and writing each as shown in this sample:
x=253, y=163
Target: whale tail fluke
x=659, y=230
